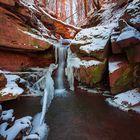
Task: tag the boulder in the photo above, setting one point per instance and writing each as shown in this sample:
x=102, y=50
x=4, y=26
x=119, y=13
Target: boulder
x=11, y=90
x=133, y=54
x=86, y=70
x=128, y=37
x=3, y=81
x=127, y=41
x=91, y=75
x=93, y=42
x=120, y=74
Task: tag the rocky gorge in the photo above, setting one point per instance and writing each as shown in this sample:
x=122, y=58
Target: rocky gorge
x=103, y=51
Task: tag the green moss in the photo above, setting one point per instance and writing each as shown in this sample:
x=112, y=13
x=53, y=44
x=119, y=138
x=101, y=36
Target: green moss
x=98, y=73
x=125, y=79
x=124, y=82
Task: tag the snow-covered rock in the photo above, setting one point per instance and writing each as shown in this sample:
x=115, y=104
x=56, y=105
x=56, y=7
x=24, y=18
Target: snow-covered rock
x=86, y=70
x=93, y=41
x=129, y=100
x=7, y=115
x=22, y=124
x=11, y=89
x=132, y=14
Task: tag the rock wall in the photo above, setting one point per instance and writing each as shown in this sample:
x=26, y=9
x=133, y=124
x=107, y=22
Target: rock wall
x=30, y=30
x=112, y=36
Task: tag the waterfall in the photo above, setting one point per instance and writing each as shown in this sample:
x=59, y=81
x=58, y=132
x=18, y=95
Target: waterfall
x=61, y=54
x=47, y=84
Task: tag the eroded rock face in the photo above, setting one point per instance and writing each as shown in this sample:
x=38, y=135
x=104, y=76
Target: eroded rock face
x=15, y=34
x=19, y=61
x=8, y=2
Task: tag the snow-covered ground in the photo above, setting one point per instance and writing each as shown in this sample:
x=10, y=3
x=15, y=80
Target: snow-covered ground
x=129, y=100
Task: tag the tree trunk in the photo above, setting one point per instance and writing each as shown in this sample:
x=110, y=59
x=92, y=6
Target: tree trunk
x=85, y=7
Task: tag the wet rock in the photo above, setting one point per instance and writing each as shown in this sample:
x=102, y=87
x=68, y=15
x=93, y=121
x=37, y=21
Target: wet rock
x=120, y=74
x=3, y=81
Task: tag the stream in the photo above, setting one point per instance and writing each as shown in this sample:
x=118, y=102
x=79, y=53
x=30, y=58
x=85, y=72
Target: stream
x=81, y=117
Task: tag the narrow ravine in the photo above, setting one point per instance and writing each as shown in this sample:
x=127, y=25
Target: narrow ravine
x=78, y=115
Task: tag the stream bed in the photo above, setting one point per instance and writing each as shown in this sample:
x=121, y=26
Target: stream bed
x=81, y=116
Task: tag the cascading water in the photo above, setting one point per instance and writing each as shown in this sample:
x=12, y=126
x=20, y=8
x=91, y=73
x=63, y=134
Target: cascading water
x=47, y=83
x=61, y=50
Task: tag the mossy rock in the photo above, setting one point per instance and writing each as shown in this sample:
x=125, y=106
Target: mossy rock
x=98, y=72
x=124, y=82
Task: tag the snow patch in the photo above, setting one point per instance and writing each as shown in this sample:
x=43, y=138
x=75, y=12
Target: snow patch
x=7, y=115
x=11, y=86
x=113, y=66
x=129, y=100
x=129, y=32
